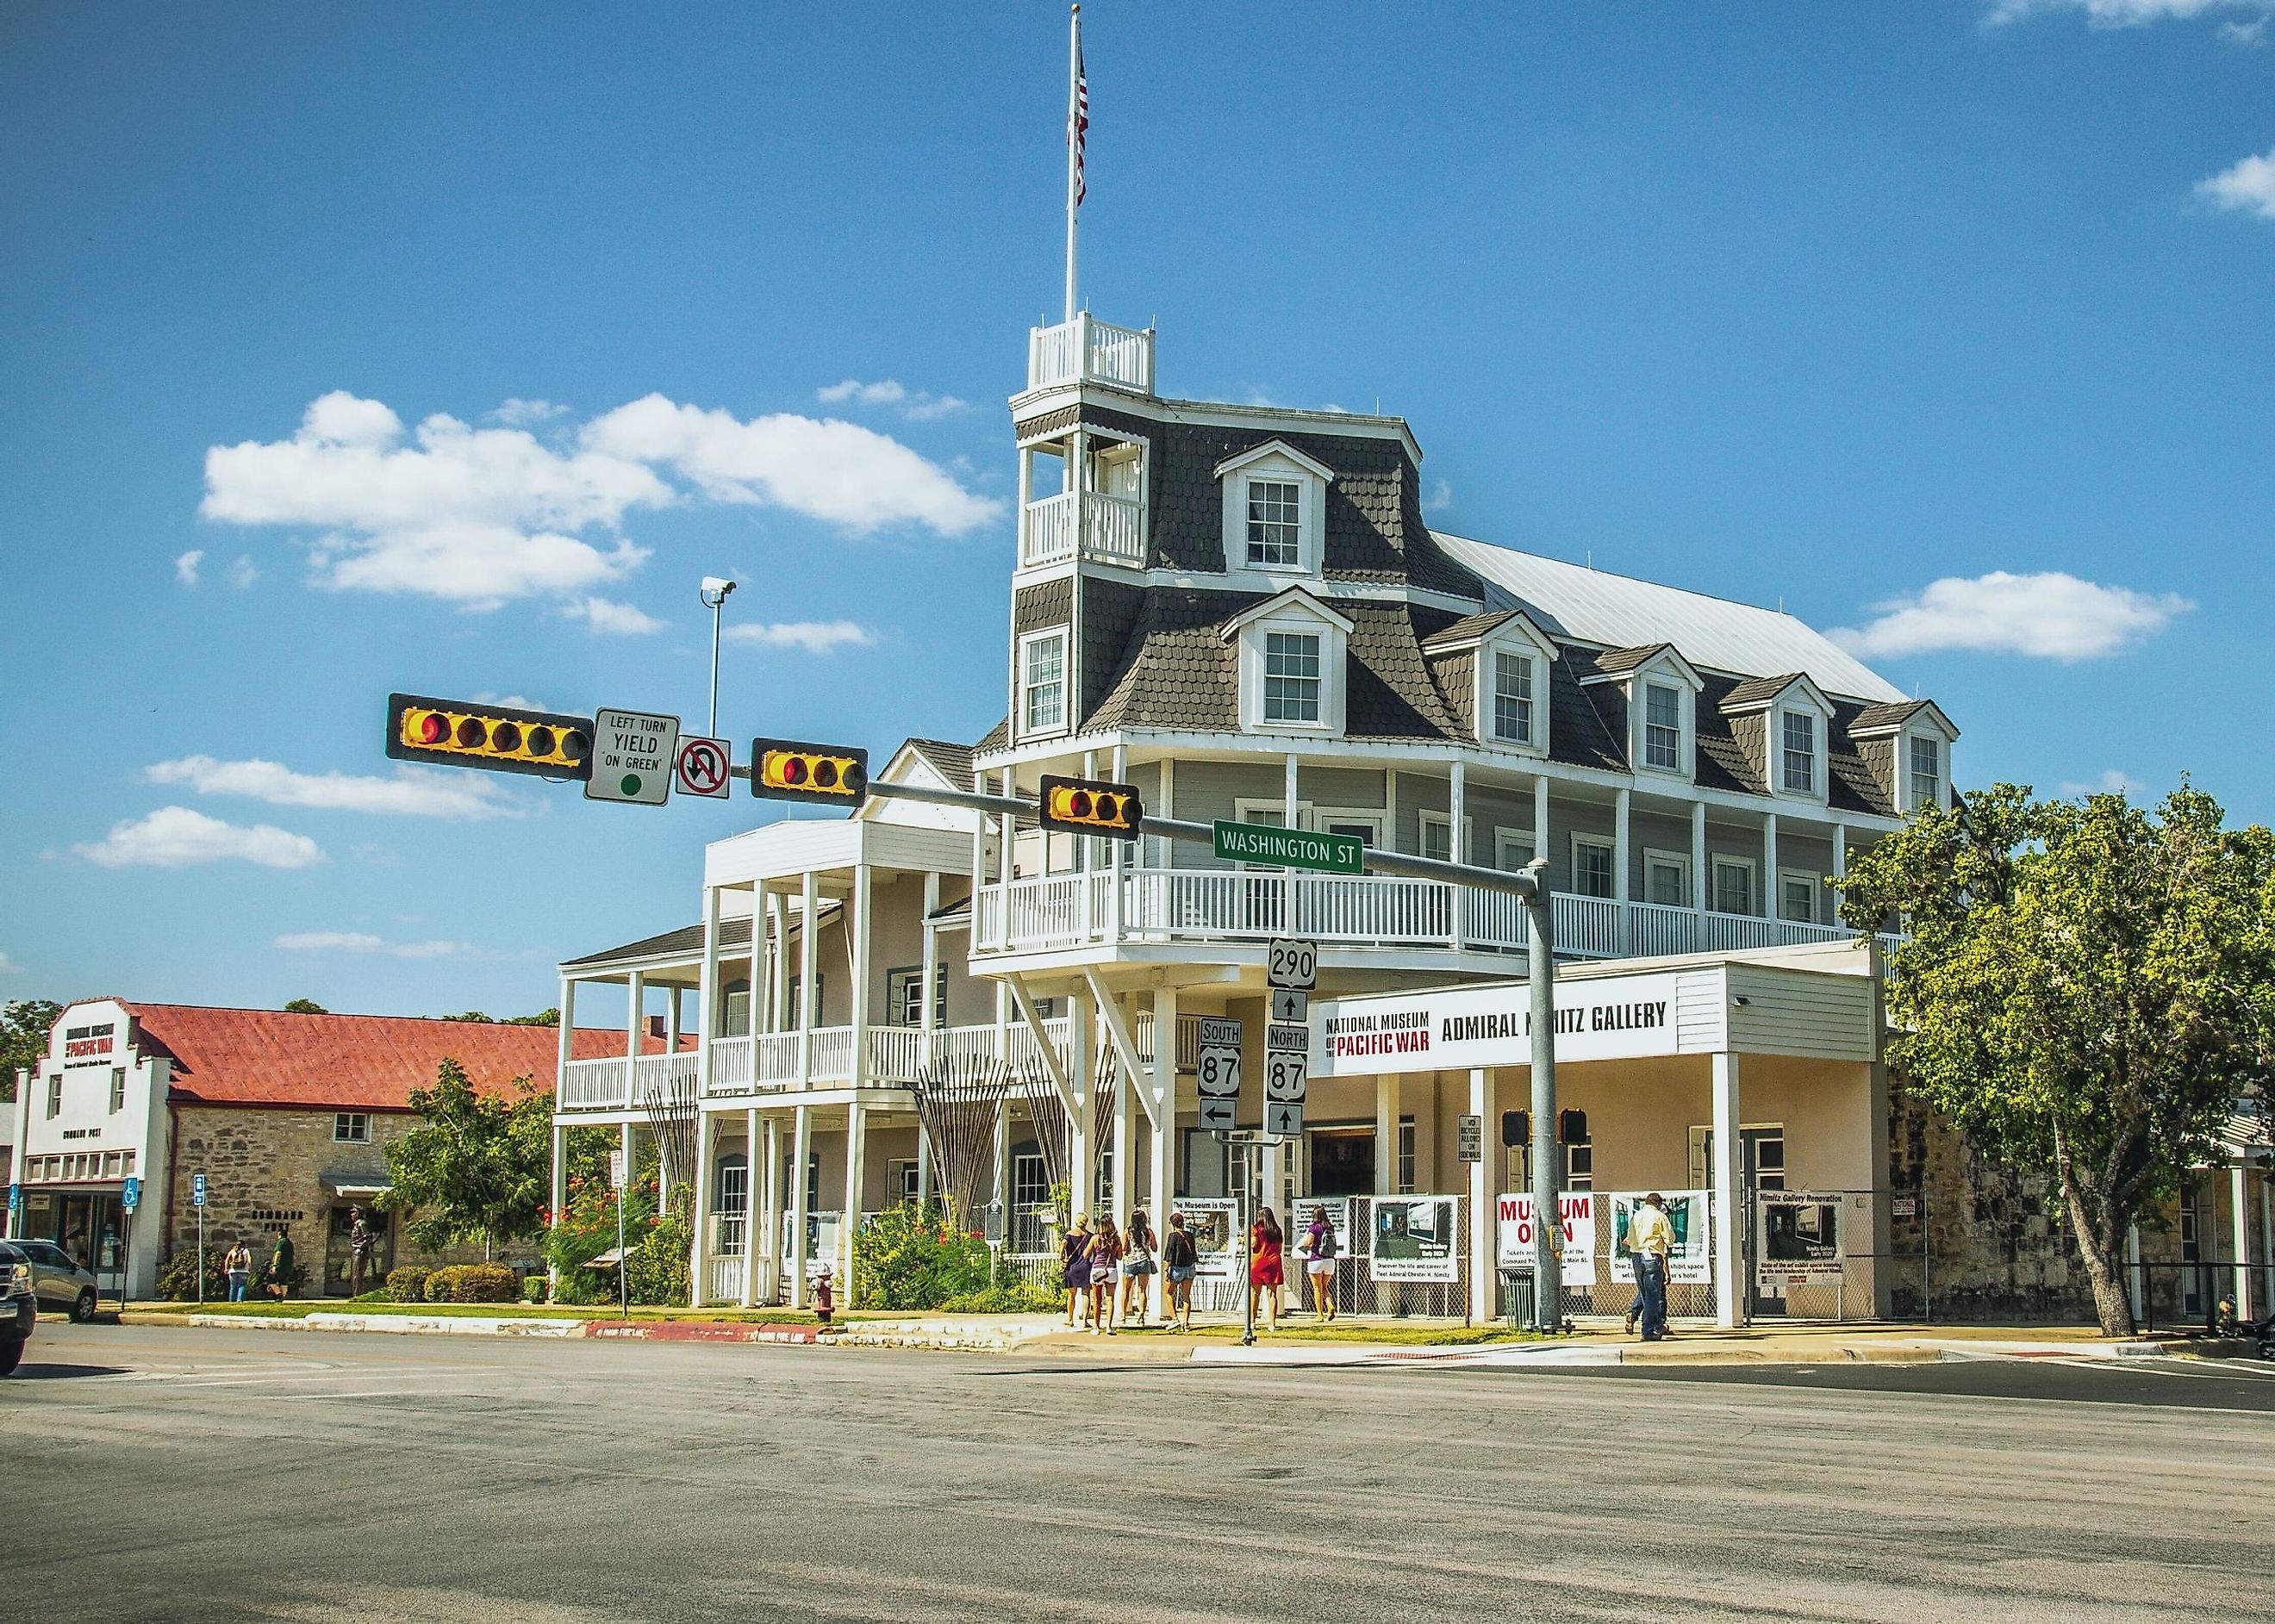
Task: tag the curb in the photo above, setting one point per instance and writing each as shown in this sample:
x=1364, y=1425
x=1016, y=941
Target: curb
x=399, y=1324
x=691, y=1331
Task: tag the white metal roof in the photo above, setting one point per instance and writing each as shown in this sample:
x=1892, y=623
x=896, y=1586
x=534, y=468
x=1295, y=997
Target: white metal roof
x=1618, y=611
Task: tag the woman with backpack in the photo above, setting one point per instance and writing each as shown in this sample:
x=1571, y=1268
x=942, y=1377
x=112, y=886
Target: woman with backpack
x=1318, y=1248
x=1138, y=1264
x=1181, y=1260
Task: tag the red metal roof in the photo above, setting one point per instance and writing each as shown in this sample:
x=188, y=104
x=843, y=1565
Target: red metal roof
x=358, y=1062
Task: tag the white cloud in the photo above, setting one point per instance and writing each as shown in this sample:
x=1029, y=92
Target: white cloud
x=1440, y=495
x=2113, y=781
x=243, y=572
x=519, y=413
x=10, y=967
x=185, y=567
x=2247, y=184
x=409, y=792
x=613, y=619
x=175, y=836
x=2051, y=615
x=912, y=404
x=363, y=941
x=519, y=702
x=2121, y=13
x=815, y=637
x=825, y=469
x=482, y=517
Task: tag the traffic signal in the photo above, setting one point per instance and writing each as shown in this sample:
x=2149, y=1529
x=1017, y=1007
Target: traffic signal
x=834, y=774
x=1087, y=807
x=1572, y=1128
x=1516, y=1128
x=500, y=738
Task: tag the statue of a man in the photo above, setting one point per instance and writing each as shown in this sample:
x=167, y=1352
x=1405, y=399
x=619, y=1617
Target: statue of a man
x=360, y=1247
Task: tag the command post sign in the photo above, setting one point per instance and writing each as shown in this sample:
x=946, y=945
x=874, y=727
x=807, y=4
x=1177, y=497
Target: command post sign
x=633, y=757
x=1260, y=843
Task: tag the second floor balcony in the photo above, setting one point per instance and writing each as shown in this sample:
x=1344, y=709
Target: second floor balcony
x=1112, y=529
x=1059, y=911
x=1088, y=351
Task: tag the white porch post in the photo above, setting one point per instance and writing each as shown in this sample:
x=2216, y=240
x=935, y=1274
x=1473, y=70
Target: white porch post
x=1125, y=1145
x=1540, y=816
x=1484, y=1209
x=1081, y=1162
x=754, y=1170
x=1166, y=850
x=801, y=1154
x=771, y=1243
x=1840, y=852
x=1165, y=1134
x=2239, y=1198
x=635, y=1018
x=1288, y=802
x=565, y=1039
x=699, y=1282
x=1769, y=865
x=778, y=989
x=850, y=1220
x=809, y=905
x=858, y=955
x=1700, y=888
x=706, y=994
x=928, y=1016
x=1457, y=845
x=1622, y=856
x=1729, y=1254
x=1386, y=1135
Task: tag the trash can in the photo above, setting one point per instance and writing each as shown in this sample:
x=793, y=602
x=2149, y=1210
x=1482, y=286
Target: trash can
x=1516, y=1297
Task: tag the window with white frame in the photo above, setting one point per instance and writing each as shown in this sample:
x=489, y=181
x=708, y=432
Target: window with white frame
x=1042, y=683
x=1512, y=697
x=1662, y=727
x=1292, y=680
x=1438, y=836
x=1513, y=850
x=1592, y=865
x=1927, y=771
x=117, y=1089
x=1733, y=885
x=1275, y=526
x=55, y=1094
x=905, y=995
x=1798, y=736
x=352, y=1128
x=1666, y=879
x=1797, y=896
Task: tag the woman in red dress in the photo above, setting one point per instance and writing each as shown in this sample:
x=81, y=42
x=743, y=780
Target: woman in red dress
x=1265, y=1273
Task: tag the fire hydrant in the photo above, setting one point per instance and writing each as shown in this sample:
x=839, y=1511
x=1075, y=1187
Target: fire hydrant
x=824, y=1300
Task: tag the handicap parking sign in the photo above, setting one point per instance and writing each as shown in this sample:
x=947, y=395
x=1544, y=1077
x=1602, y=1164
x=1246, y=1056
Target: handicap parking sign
x=198, y=1190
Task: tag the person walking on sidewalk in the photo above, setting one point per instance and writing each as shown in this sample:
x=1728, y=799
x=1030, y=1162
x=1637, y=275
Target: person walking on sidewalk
x=1074, y=1267
x=1319, y=1250
x=1265, y=1270
x=1650, y=1237
x=1138, y=1266
x=1181, y=1260
x=1105, y=1263
x=237, y=1263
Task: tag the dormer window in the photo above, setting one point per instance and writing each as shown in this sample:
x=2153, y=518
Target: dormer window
x=1926, y=771
x=1291, y=677
x=1512, y=697
x=1797, y=756
x=1042, y=683
x=1292, y=653
x=1662, y=727
x=1274, y=525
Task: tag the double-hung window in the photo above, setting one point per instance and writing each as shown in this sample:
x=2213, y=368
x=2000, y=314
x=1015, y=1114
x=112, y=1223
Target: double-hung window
x=1666, y=879
x=1662, y=728
x=1274, y=525
x=54, y=1095
x=1592, y=866
x=1797, y=897
x=117, y=1089
x=1291, y=676
x=1733, y=885
x=1800, y=742
x=1512, y=697
x=1927, y=772
x=1042, y=683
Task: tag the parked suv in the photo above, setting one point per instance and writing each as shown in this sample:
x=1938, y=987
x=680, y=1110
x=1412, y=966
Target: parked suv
x=19, y=1306
x=62, y=1284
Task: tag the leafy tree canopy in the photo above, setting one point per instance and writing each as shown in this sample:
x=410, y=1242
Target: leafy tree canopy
x=25, y=1024
x=306, y=1005
x=480, y=1169
x=2088, y=990
x=543, y=1017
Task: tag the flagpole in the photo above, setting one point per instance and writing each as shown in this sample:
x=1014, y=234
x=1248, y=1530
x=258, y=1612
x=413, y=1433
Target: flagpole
x=1073, y=152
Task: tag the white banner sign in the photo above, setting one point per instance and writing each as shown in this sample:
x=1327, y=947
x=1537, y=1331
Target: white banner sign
x=1219, y=1249
x=1414, y=1238
x=1576, y=1251
x=1798, y=1240
x=1619, y=1017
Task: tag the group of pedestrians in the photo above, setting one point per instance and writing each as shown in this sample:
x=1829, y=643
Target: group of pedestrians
x=1105, y=1269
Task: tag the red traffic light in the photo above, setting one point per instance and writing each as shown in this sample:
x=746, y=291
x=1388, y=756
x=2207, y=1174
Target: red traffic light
x=1086, y=806
x=456, y=733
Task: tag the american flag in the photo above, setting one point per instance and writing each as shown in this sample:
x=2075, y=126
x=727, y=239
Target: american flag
x=1078, y=128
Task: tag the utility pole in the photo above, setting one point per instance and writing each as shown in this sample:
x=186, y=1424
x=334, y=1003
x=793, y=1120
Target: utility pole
x=715, y=593
x=1547, y=1169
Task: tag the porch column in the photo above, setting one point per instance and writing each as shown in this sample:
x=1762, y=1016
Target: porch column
x=1386, y=1136
x=753, y=1166
x=772, y=1240
x=1457, y=845
x=1002, y=1191
x=810, y=904
x=1840, y=852
x=849, y=1219
x=857, y=957
x=1700, y=890
x=801, y=1153
x=1622, y=857
x=1165, y=1134
x=1290, y=792
x=778, y=988
x=1540, y=816
x=635, y=1018
x=699, y=1282
x=564, y=1037
x=1125, y=1139
x=2239, y=1198
x=928, y=1015
x=560, y=1185
x=1484, y=1209
x=1769, y=865
x=1729, y=1253
x=1164, y=850
x=924, y=1164
x=1081, y=1162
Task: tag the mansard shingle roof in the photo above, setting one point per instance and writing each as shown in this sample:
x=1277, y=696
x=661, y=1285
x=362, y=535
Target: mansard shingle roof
x=952, y=762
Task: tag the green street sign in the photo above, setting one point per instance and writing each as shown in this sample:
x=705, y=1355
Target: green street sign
x=1259, y=843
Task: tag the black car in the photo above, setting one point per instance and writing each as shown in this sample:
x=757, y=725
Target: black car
x=19, y=1306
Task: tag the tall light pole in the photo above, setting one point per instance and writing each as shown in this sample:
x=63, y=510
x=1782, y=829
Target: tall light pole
x=716, y=589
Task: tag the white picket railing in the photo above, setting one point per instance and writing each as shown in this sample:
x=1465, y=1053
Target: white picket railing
x=895, y=1054
x=1113, y=529
x=731, y=1066
x=664, y=1079
x=1047, y=534
x=1088, y=351
x=592, y=1085
x=723, y=1279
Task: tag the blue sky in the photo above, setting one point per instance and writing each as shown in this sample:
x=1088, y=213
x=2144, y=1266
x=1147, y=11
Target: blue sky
x=1947, y=323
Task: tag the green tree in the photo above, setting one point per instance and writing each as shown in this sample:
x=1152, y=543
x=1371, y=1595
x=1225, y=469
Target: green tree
x=480, y=1169
x=25, y=1026
x=306, y=1005
x=2088, y=990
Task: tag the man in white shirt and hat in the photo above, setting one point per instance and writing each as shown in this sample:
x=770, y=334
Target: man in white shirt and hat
x=1650, y=1238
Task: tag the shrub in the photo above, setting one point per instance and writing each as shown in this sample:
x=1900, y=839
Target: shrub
x=1009, y=1296
x=656, y=1272
x=586, y=1227
x=474, y=1282
x=532, y=1288
x=908, y=1258
x=178, y=1279
x=257, y=1290
x=407, y=1284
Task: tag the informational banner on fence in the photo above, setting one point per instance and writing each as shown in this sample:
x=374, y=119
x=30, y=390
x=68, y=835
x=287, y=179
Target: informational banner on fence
x=1415, y=1238
x=1691, y=1263
x=1798, y=1239
x=1214, y=1226
x=1575, y=1250
x=1337, y=1211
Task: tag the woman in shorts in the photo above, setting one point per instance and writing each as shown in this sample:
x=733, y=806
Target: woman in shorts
x=1138, y=1266
x=1181, y=1260
x=1265, y=1273
x=1105, y=1263
x=1319, y=1248
x=1074, y=1267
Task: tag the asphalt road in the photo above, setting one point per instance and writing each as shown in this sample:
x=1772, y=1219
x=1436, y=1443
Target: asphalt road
x=151, y=1472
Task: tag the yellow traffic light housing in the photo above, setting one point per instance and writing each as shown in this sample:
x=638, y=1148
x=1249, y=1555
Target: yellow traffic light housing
x=1087, y=806
x=785, y=770
x=499, y=738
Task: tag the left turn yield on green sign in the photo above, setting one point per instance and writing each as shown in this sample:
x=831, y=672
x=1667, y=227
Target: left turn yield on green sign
x=633, y=756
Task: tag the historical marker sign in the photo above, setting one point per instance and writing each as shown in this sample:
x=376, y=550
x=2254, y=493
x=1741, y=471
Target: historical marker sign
x=633, y=757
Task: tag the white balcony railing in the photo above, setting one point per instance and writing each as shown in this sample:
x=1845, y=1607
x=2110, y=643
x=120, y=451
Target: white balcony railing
x=1088, y=351
x=1113, y=529
x=592, y=1085
x=1064, y=910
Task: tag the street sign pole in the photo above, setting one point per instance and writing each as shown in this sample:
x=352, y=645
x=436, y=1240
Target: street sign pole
x=619, y=1171
x=1547, y=1169
x=198, y=1200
